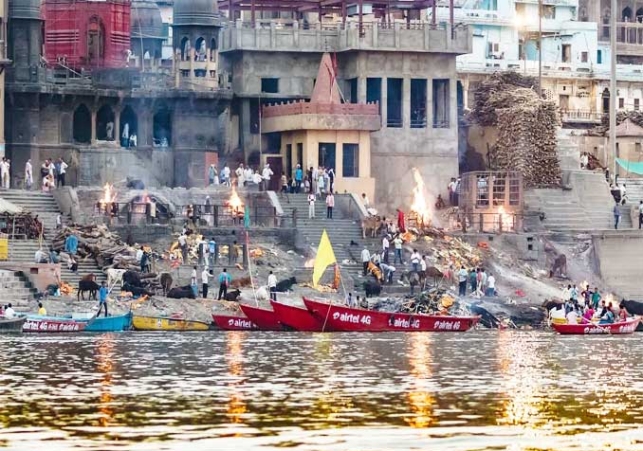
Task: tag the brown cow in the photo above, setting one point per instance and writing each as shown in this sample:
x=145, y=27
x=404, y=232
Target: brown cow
x=91, y=277
x=370, y=225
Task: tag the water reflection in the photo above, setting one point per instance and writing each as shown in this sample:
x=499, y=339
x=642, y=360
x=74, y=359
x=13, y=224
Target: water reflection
x=420, y=399
x=234, y=358
x=105, y=366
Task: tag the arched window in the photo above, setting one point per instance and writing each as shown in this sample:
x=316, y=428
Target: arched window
x=200, y=52
x=627, y=14
x=95, y=41
x=185, y=48
x=129, y=128
x=639, y=15
x=82, y=125
x=163, y=128
x=105, y=124
x=213, y=49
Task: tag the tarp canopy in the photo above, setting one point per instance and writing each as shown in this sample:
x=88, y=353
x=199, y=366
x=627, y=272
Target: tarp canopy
x=631, y=166
x=7, y=207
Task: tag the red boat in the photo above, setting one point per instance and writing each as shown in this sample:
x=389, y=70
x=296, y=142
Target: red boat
x=263, y=318
x=233, y=322
x=36, y=323
x=298, y=318
x=348, y=319
x=620, y=328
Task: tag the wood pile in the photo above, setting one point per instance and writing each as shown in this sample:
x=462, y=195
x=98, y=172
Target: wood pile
x=526, y=127
x=96, y=241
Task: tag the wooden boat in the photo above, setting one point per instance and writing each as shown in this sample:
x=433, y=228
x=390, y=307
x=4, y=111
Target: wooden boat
x=348, y=319
x=298, y=318
x=233, y=322
x=12, y=325
x=166, y=323
x=110, y=324
x=263, y=318
x=39, y=323
x=620, y=328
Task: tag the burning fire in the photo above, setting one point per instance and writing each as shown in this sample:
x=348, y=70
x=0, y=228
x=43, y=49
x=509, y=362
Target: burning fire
x=609, y=298
x=420, y=206
x=505, y=219
x=109, y=194
x=235, y=203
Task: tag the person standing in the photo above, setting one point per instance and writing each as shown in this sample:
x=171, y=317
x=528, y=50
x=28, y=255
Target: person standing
x=401, y=223
x=102, y=299
x=451, y=188
x=194, y=283
x=145, y=261
x=225, y=175
x=272, y=286
x=299, y=176
x=640, y=214
x=212, y=249
x=385, y=247
x=330, y=204
x=4, y=173
x=284, y=183
x=266, y=175
x=491, y=286
x=211, y=175
x=462, y=281
x=617, y=216
x=240, y=175
x=311, y=205
x=28, y=174
x=183, y=244
x=366, y=258
x=204, y=282
x=224, y=281
x=61, y=170
x=397, y=242
x=309, y=178
x=415, y=260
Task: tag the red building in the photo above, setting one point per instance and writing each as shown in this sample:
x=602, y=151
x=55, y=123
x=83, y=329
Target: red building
x=87, y=34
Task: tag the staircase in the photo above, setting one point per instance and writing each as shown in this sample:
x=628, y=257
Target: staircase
x=23, y=251
x=341, y=230
x=588, y=205
x=14, y=290
x=567, y=150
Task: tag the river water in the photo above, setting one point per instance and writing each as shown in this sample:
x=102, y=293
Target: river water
x=483, y=390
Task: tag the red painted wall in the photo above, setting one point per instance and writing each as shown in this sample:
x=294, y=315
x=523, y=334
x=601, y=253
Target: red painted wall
x=69, y=24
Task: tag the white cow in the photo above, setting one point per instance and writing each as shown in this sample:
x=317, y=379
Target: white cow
x=115, y=276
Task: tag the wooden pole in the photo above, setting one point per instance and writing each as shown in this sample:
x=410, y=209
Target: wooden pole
x=613, y=88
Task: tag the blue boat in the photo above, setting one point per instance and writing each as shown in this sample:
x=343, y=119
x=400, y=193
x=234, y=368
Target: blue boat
x=110, y=324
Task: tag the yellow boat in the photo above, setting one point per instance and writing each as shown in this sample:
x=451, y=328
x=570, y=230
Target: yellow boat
x=165, y=323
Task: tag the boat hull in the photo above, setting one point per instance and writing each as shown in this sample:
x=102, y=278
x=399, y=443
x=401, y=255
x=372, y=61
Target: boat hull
x=12, y=326
x=349, y=319
x=110, y=324
x=264, y=319
x=233, y=322
x=50, y=324
x=620, y=328
x=298, y=318
x=164, y=323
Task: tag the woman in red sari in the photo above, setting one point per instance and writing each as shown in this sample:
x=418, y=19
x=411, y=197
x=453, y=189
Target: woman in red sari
x=400, y=221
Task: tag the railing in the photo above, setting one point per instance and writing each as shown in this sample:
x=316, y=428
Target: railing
x=580, y=116
x=486, y=222
x=303, y=107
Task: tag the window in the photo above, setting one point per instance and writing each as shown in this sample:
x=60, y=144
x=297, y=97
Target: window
x=374, y=91
x=394, y=102
x=350, y=160
x=637, y=104
x=621, y=103
x=270, y=85
x=166, y=34
x=493, y=49
x=326, y=155
x=300, y=155
x=352, y=90
x=549, y=12
x=441, y=103
x=418, y=103
x=566, y=53
x=599, y=57
x=584, y=57
x=637, y=147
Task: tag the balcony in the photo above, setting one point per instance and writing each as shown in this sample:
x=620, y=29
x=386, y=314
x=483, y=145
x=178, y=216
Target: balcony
x=291, y=36
x=580, y=116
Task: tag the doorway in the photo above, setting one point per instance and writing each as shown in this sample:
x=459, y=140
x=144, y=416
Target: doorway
x=276, y=164
x=563, y=102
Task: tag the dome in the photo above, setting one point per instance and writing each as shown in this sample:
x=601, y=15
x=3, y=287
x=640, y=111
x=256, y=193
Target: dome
x=146, y=20
x=196, y=12
x=24, y=9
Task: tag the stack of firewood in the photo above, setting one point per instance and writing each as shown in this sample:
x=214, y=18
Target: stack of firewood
x=526, y=128
x=95, y=241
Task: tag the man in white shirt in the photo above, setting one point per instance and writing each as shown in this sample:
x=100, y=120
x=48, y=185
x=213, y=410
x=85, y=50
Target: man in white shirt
x=63, y=170
x=267, y=173
x=311, y=206
x=272, y=286
x=4, y=173
x=225, y=173
x=462, y=281
x=415, y=260
x=366, y=258
x=204, y=282
x=385, y=247
x=183, y=243
x=451, y=188
x=572, y=317
x=9, y=312
x=28, y=174
x=397, y=242
x=256, y=178
x=240, y=175
x=491, y=285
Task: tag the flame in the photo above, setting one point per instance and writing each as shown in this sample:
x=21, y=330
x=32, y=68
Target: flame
x=505, y=219
x=235, y=203
x=609, y=297
x=109, y=194
x=309, y=263
x=420, y=206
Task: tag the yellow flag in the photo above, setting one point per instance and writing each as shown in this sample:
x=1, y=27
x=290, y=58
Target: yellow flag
x=325, y=256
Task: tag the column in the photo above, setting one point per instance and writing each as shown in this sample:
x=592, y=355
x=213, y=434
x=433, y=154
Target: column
x=117, y=125
x=93, y=140
x=361, y=89
x=384, y=102
x=406, y=102
x=429, y=103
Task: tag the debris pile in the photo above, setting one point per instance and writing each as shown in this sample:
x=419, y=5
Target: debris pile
x=95, y=241
x=526, y=126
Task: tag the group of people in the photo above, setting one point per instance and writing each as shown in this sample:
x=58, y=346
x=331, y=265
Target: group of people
x=243, y=175
x=51, y=173
x=224, y=279
x=480, y=282
x=585, y=306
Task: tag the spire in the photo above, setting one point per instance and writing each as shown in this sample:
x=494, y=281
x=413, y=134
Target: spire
x=326, y=90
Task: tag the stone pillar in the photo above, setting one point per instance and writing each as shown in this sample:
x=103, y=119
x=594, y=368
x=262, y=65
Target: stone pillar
x=384, y=102
x=117, y=125
x=406, y=102
x=93, y=139
x=429, y=103
x=361, y=89
x=192, y=54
